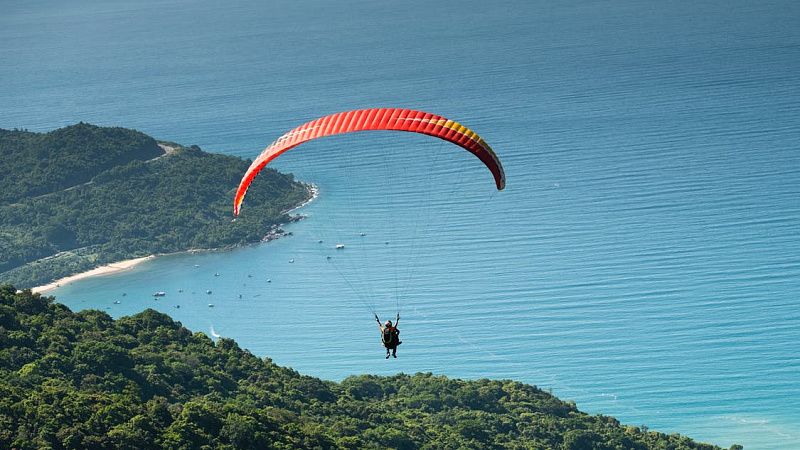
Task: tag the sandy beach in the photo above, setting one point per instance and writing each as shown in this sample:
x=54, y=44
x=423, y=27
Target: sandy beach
x=130, y=263
x=102, y=270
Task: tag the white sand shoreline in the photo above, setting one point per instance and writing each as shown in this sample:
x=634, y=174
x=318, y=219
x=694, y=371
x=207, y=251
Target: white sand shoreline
x=128, y=264
x=97, y=271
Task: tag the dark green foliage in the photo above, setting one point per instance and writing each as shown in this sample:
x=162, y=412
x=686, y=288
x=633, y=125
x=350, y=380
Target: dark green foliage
x=50, y=162
x=98, y=196
x=83, y=380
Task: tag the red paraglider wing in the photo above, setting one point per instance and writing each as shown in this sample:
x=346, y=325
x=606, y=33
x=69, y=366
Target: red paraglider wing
x=375, y=119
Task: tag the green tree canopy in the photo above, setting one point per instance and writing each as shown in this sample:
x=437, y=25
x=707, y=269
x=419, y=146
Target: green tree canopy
x=84, y=196
x=83, y=380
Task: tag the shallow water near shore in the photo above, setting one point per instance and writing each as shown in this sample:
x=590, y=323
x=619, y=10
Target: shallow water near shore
x=644, y=260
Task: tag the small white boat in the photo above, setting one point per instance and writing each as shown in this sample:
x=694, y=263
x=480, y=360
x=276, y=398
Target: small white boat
x=339, y=246
x=216, y=274
x=117, y=302
x=210, y=305
x=291, y=260
x=159, y=294
x=363, y=234
x=208, y=292
x=269, y=280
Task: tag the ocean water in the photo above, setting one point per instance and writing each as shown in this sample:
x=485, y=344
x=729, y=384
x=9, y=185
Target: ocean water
x=644, y=260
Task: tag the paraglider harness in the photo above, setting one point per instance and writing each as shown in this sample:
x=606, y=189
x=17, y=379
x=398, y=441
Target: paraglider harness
x=390, y=336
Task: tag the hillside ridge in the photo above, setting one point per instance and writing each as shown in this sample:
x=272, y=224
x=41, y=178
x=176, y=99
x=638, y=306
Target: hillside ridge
x=84, y=196
x=84, y=380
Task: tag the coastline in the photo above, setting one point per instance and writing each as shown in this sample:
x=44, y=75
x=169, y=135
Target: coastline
x=128, y=264
x=312, y=189
x=97, y=271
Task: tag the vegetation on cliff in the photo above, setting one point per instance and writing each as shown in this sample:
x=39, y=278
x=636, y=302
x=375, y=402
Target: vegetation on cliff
x=82, y=196
x=84, y=380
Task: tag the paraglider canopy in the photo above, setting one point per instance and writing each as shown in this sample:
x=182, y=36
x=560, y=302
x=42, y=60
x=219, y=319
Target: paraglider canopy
x=395, y=119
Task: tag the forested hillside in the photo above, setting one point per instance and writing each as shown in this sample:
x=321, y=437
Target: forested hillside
x=83, y=196
x=40, y=163
x=84, y=380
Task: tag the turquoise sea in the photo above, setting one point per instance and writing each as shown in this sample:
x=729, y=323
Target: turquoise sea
x=643, y=261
